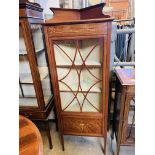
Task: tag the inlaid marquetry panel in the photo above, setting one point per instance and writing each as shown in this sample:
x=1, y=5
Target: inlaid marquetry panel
x=79, y=29
x=82, y=126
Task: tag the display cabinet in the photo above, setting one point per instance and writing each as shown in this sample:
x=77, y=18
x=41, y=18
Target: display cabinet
x=124, y=108
x=36, y=98
x=78, y=43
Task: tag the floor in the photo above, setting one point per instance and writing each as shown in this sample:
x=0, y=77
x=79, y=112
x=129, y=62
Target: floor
x=78, y=145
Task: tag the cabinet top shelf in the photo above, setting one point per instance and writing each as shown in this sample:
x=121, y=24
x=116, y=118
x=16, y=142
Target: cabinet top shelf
x=30, y=10
x=26, y=4
x=75, y=16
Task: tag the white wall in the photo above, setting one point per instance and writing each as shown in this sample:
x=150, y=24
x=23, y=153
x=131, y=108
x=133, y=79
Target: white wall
x=46, y=4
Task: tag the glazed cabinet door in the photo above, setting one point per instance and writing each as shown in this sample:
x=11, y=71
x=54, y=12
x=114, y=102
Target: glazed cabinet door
x=42, y=62
x=27, y=94
x=79, y=65
x=34, y=90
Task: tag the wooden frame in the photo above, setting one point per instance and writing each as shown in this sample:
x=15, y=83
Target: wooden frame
x=78, y=25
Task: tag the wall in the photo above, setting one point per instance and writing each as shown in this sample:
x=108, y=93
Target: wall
x=46, y=4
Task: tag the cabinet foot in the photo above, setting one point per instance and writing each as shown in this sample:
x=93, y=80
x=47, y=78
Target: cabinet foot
x=46, y=123
x=118, y=149
x=105, y=144
x=62, y=142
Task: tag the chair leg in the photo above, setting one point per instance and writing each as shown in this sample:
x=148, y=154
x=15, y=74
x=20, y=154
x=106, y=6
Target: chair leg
x=46, y=123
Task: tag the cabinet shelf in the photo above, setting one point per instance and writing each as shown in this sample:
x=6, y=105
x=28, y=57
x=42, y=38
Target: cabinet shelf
x=26, y=78
x=27, y=96
x=79, y=64
x=24, y=52
x=91, y=91
x=74, y=107
x=74, y=86
x=32, y=101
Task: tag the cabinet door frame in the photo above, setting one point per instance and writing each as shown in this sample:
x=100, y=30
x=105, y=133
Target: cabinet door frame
x=104, y=69
x=26, y=30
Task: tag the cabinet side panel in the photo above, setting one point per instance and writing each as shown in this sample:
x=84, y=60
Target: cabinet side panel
x=106, y=65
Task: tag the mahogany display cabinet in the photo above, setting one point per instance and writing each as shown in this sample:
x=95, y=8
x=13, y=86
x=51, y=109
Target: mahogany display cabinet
x=78, y=43
x=124, y=108
x=36, y=98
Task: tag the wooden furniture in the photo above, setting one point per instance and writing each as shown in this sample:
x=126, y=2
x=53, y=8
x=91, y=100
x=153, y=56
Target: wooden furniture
x=121, y=9
x=35, y=90
x=124, y=108
x=78, y=43
x=30, y=141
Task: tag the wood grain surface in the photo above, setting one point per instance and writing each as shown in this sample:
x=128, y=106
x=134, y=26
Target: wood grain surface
x=30, y=141
x=126, y=76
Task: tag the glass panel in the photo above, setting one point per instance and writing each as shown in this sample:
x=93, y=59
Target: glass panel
x=42, y=62
x=79, y=70
x=26, y=101
x=27, y=95
x=130, y=133
x=20, y=92
x=24, y=70
x=22, y=47
x=84, y=79
x=82, y=52
x=78, y=101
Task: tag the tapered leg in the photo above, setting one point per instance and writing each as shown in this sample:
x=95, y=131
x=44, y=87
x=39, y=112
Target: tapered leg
x=118, y=148
x=111, y=147
x=118, y=142
x=56, y=120
x=112, y=134
x=62, y=141
x=105, y=144
x=46, y=123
